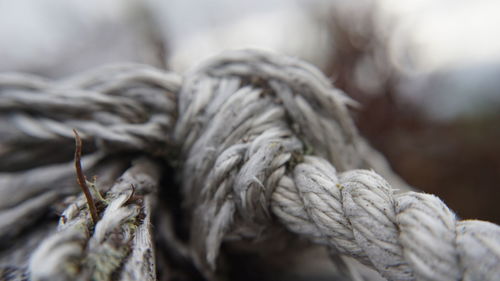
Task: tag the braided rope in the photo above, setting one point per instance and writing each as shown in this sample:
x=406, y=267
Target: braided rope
x=263, y=139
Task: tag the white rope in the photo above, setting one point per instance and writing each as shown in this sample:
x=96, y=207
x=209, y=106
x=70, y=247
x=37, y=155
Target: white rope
x=265, y=143
x=124, y=107
x=405, y=236
x=247, y=122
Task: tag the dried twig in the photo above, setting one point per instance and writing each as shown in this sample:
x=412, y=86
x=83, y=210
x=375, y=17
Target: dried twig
x=81, y=178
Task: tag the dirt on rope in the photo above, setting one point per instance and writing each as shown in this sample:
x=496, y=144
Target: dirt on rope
x=238, y=169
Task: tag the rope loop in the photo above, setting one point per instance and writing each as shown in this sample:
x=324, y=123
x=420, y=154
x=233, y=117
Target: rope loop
x=265, y=143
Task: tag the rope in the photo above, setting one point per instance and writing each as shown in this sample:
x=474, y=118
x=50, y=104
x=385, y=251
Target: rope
x=121, y=238
x=249, y=120
x=123, y=107
x=265, y=142
x=405, y=237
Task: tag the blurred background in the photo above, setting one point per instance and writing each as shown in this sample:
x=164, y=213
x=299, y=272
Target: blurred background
x=426, y=73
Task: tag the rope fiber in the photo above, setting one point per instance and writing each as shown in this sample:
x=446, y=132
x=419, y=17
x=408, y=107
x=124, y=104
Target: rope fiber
x=261, y=144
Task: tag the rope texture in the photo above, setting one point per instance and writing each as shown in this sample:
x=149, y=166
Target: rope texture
x=119, y=111
x=262, y=139
x=248, y=121
x=121, y=238
x=123, y=107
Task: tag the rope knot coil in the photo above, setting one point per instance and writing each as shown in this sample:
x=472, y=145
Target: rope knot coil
x=244, y=120
x=248, y=123
x=265, y=142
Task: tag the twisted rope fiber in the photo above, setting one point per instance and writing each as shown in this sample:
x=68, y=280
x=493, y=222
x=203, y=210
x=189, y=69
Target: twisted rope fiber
x=120, y=236
x=246, y=118
x=123, y=108
x=263, y=139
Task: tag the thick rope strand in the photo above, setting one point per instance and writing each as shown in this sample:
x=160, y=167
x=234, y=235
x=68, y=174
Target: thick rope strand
x=248, y=122
x=266, y=145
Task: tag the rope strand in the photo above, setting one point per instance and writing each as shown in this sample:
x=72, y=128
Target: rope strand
x=266, y=143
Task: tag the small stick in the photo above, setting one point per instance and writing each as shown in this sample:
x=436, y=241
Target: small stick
x=132, y=195
x=81, y=178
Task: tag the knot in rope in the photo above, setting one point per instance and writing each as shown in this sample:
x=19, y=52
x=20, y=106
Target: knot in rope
x=265, y=141
x=245, y=119
x=248, y=122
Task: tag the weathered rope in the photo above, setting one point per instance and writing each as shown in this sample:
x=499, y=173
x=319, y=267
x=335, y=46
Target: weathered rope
x=247, y=121
x=121, y=238
x=263, y=139
x=124, y=107
x=405, y=236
